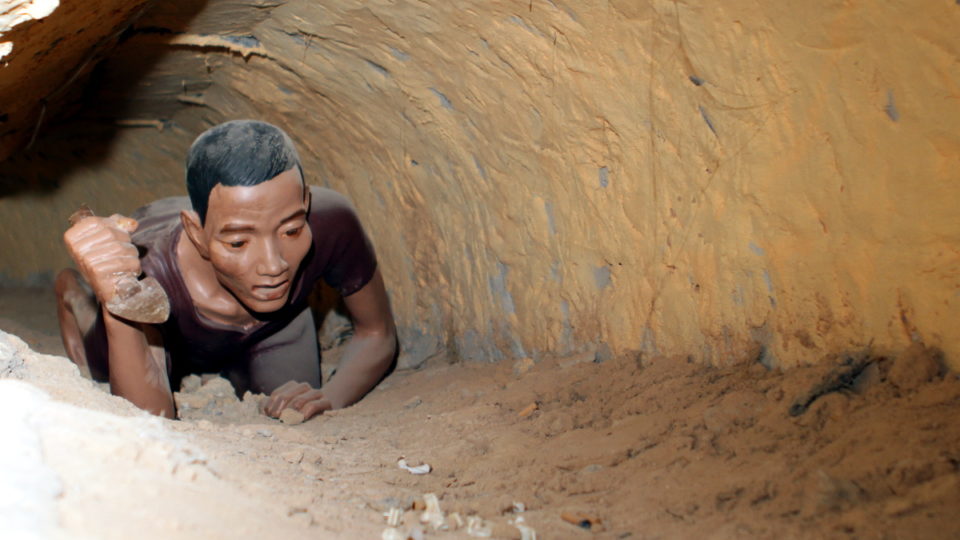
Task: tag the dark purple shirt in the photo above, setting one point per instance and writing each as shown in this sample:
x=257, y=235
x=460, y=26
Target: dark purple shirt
x=341, y=255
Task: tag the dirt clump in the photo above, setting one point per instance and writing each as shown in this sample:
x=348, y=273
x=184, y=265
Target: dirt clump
x=915, y=367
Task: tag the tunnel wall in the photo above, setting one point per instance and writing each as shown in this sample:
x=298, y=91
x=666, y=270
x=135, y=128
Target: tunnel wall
x=732, y=182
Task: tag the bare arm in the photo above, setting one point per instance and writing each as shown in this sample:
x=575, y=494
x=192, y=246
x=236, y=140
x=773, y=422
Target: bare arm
x=365, y=360
x=371, y=349
x=102, y=250
x=138, y=365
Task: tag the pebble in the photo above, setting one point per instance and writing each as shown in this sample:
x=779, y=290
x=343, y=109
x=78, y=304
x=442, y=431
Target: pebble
x=190, y=383
x=582, y=358
x=291, y=417
x=915, y=367
x=522, y=366
x=312, y=455
x=300, y=515
x=293, y=456
x=310, y=468
x=528, y=410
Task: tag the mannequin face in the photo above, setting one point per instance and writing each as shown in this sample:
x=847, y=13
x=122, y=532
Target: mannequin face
x=255, y=237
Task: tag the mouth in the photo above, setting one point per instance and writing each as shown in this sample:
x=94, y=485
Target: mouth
x=274, y=291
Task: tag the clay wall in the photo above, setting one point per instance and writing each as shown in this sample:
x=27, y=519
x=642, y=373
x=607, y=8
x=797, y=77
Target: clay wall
x=730, y=182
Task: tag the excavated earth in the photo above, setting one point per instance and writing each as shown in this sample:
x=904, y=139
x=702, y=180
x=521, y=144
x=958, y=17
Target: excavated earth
x=858, y=447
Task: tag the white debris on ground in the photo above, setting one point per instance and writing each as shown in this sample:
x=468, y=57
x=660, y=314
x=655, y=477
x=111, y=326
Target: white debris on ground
x=414, y=469
x=77, y=462
x=213, y=398
x=76, y=472
x=29, y=488
x=434, y=520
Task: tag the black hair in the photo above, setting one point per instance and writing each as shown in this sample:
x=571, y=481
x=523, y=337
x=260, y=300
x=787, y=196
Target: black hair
x=237, y=153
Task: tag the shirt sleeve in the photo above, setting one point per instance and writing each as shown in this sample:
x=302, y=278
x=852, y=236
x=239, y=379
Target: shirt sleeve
x=343, y=254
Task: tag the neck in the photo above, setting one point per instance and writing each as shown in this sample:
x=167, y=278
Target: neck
x=210, y=298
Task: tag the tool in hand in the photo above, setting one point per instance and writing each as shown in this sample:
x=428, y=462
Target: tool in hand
x=137, y=300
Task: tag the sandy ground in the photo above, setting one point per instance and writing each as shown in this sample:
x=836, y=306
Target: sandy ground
x=857, y=447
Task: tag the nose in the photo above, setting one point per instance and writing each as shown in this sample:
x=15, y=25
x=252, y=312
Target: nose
x=271, y=261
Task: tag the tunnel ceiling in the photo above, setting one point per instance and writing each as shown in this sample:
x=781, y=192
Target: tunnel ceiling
x=735, y=182
x=51, y=48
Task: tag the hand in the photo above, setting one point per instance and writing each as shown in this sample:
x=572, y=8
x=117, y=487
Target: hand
x=293, y=395
x=102, y=249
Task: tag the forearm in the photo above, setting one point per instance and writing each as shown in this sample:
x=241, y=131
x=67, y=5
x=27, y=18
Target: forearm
x=366, y=359
x=136, y=373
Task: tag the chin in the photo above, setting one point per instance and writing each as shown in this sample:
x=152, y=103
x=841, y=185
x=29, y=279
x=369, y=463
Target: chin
x=257, y=305
x=262, y=306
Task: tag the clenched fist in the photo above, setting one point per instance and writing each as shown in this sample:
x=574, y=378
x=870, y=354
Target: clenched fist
x=102, y=249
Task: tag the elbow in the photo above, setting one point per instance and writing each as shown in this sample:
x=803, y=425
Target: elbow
x=388, y=359
x=390, y=347
x=383, y=339
x=393, y=341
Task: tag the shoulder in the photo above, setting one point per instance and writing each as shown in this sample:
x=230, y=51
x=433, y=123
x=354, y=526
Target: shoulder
x=331, y=211
x=161, y=208
x=343, y=255
x=157, y=226
x=158, y=219
x=325, y=200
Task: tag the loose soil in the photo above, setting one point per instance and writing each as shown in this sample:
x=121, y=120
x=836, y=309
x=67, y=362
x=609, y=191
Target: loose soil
x=859, y=447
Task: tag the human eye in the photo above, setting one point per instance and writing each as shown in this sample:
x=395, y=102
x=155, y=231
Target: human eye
x=293, y=232
x=235, y=244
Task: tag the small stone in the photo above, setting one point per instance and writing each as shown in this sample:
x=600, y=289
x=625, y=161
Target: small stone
x=293, y=456
x=915, y=367
x=265, y=433
x=291, y=417
x=312, y=455
x=219, y=387
x=300, y=515
x=528, y=410
x=582, y=358
x=190, y=383
x=413, y=402
x=522, y=366
x=310, y=468
x=192, y=401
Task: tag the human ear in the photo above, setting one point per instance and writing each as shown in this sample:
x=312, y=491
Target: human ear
x=191, y=225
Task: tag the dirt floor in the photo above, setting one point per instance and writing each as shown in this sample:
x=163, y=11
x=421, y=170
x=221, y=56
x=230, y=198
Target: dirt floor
x=860, y=447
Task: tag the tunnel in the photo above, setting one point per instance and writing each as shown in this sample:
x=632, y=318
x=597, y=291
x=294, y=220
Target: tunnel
x=658, y=269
